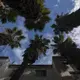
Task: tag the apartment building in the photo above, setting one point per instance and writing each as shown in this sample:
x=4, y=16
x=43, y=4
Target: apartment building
x=56, y=71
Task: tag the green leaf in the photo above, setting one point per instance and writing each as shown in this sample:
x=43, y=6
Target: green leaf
x=14, y=29
x=12, y=16
x=19, y=32
x=61, y=38
x=55, y=51
x=21, y=37
x=56, y=39
x=3, y=20
x=53, y=26
x=9, y=31
x=69, y=40
x=45, y=11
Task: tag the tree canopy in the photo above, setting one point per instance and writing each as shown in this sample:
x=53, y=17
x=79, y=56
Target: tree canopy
x=34, y=11
x=11, y=37
x=68, y=21
x=36, y=16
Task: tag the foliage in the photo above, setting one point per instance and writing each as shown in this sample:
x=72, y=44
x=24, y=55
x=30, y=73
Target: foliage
x=68, y=21
x=43, y=10
x=7, y=14
x=58, y=40
x=38, y=25
x=37, y=46
x=11, y=37
x=56, y=29
x=68, y=49
x=34, y=11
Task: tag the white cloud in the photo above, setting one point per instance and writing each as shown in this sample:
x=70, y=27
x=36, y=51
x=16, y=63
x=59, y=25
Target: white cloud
x=56, y=5
x=24, y=43
x=58, y=1
x=45, y=60
x=16, y=53
x=76, y=4
x=75, y=35
x=7, y=51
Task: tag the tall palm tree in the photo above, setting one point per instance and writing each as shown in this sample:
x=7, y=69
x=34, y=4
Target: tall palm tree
x=34, y=11
x=68, y=49
x=62, y=46
x=68, y=21
x=11, y=37
x=36, y=47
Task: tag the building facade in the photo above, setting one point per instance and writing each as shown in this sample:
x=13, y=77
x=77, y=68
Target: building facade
x=56, y=71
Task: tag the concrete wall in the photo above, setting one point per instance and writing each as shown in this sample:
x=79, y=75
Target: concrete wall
x=51, y=75
x=3, y=67
x=5, y=70
x=53, y=71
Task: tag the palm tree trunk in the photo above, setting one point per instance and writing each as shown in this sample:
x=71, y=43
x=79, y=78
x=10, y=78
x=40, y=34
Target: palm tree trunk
x=17, y=74
x=70, y=20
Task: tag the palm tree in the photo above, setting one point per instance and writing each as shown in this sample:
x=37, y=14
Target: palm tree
x=67, y=21
x=37, y=46
x=40, y=22
x=68, y=49
x=56, y=29
x=62, y=46
x=58, y=41
x=7, y=14
x=37, y=25
x=11, y=37
x=28, y=8
x=34, y=11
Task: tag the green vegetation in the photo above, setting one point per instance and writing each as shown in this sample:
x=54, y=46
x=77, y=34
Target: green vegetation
x=11, y=37
x=37, y=46
x=36, y=16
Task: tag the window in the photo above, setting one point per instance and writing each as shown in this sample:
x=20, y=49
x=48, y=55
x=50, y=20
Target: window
x=41, y=73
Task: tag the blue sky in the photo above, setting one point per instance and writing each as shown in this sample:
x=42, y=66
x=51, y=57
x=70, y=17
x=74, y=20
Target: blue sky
x=56, y=7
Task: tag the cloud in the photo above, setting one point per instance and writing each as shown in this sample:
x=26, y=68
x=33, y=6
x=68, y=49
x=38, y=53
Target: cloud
x=56, y=5
x=15, y=55
x=75, y=35
x=76, y=4
x=24, y=43
x=18, y=53
x=45, y=60
x=7, y=51
x=58, y=1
